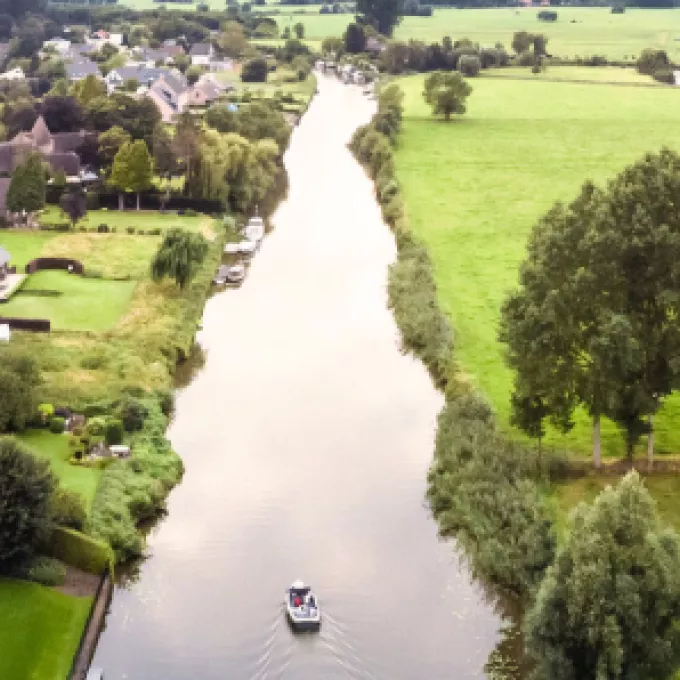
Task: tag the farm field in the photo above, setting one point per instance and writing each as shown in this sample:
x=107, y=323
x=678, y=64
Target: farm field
x=54, y=447
x=39, y=630
x=578, y=31
x=475, y=187
x=615, y=75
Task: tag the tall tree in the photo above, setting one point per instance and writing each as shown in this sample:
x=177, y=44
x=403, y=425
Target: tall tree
x=20, y=378
x=607, y=608
x=110, y=143
x=163, y=155
x=74, y=204
x=89, y=88
x=62, y=114
x=179, y=256
x=27, y=187
x=299, y=30
x=26, y=486
x=446, y=93
x=355, y=39
x=132, y=169
x=599, y=297
x=383, y=15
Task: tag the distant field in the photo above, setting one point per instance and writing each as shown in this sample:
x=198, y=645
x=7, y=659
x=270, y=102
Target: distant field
x=39, y=630
x=577, y=32
x=475, y=187
x=619, y=75
x=54, y=447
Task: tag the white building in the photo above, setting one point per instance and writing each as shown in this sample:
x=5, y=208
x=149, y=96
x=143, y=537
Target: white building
x=201, y=54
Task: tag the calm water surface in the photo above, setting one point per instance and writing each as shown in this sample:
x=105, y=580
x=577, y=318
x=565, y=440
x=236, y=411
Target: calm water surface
x=306, y=438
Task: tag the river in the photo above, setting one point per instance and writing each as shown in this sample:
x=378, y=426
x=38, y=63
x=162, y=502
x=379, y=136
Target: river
x=306, y=438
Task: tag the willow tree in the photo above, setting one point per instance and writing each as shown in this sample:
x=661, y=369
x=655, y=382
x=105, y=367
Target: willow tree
x=608, y=606
x=179, y=256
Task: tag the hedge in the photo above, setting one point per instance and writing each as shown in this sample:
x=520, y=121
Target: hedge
x=81, y=551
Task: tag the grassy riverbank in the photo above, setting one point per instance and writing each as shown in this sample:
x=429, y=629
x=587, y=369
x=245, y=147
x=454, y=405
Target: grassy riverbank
x=474, y=188
x=39, y=630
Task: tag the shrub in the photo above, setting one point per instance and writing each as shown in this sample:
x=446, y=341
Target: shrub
x=132, y=413
x=664, y=75
x=103, y=228
x=618, y=9
x=68, y=508
x=651, y=61
x=469, y=65
x=547, y=15
x=79, y=550
x=57, y=425
x=114, y=432
x=526, y=59
x=189, y=212
x=156, y=231
x=44, y=570
x=130, y=230
x=254, y=71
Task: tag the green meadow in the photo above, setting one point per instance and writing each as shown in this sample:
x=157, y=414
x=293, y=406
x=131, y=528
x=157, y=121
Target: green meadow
x=475, y=187
x=39, y=630
x=578, y=31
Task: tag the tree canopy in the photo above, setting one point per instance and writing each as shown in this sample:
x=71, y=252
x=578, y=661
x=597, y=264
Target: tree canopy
x=132, y=168
x=26, y=486
x=383, y=15
x=608, y=607
x=19, y=377
x=594, y=320
x=27, y=187
x=446, y=93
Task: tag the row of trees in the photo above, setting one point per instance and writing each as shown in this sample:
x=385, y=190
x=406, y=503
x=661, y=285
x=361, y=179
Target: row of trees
x=594, y=322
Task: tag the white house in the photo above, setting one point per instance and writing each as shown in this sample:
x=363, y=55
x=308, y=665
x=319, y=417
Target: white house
x=201, y=54
x=14, y=74
x=58, y=45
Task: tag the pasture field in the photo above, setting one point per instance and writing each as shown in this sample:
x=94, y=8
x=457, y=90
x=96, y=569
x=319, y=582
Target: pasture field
x=39, y=630
x=475, y=187
x=578, y=31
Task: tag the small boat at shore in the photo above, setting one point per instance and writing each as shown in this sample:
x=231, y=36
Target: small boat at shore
x=247, y=247
x=236, y=273
x=232, y=249
x=302, y=607
x=254, y=230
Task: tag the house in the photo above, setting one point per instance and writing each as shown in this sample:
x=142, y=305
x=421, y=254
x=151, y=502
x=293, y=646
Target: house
x=140, y=72
x=13, y=74
x=80, y=51
x=374, y=46
x=59, y=45
x=101, y=38
x=201, y=54
x=80, y=69
x=164, y=55
x=4, y=264
x=203, y=93
x=169, y=94
x=58, y=150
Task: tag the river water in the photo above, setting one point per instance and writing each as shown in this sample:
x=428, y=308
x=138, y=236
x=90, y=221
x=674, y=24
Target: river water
x=306, y=438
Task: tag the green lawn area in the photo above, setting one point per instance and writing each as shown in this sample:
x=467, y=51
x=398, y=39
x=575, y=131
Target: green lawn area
x=613, y=74
x=475, y=187
x=84, y=304
x=578, y=31
x=54, y=447
x=24, y=245
x=39, y=630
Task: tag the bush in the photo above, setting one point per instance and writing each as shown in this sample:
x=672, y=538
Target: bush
x=469, y=65
x=103, y=228
x=254, y=70
x=618, y=9
x=46, y=571
x=97, y=408
x=526, y=59
x=79, y=550
x=130, y=230
x=132, y=413
x=547, y=15
x=68, y=509
x=114, y=432
x=57, y=425
x=156, y=231
x=664, y=75
x=651, y=61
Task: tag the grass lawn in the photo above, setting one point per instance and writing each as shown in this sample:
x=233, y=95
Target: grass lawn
x=39, y=630
x=612, y=74
x=54, y=447
x=83, y=304
x=24, y=246
x=475, y=187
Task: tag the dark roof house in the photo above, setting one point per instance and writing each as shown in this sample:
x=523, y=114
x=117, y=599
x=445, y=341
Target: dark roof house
x=81, y=68
x=59, y=149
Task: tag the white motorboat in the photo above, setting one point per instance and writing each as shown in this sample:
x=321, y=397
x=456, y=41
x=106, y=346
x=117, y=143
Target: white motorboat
x=247, y=247
x=236, y=273
x=302, y=607
x=254, y=230
x=232, y=248
x=221, y=277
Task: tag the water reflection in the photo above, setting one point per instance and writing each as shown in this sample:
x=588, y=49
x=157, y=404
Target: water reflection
x=306, y=439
